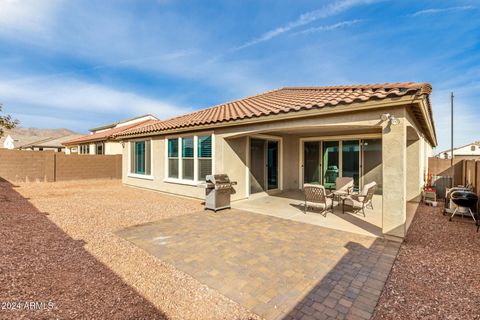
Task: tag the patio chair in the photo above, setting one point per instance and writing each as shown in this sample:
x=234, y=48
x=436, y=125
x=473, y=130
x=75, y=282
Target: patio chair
x=344, y=184
x=361, y=200
x=316, y=196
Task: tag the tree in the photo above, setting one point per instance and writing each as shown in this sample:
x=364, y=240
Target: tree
x=6, y=121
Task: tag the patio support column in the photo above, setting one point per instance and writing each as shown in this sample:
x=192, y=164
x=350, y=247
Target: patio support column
x=394, y=160
x=414, y=173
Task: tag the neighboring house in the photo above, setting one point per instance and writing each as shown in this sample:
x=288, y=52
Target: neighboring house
x=100, y=140
x=467, y=152
x=49, y=144
x=14, y=141
x=8, y=143
x=284, y=138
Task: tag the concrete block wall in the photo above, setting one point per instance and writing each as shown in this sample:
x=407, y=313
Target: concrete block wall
x=22, y=165
x=45, y=166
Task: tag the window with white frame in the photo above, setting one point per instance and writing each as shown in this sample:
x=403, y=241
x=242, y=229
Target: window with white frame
x=99, y=148
x=140, y=157
x=84, y=149
x=173, y=158
x=204, y=151
x=189, y=157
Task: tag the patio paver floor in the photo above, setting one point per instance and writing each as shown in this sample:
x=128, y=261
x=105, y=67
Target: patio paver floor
x=278, y=268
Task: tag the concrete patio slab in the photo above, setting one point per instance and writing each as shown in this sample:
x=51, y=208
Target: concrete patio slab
x=289, y=205
x=278, y=268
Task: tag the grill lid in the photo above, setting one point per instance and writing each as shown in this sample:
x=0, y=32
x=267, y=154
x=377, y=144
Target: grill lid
x=218, y=178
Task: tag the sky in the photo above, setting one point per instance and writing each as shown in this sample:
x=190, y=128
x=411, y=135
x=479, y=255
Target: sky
x=81, y=64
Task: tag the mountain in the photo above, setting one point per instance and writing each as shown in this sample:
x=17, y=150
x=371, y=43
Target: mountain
x=36, y=132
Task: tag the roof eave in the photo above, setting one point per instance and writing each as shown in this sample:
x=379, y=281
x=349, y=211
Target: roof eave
x=327, y=110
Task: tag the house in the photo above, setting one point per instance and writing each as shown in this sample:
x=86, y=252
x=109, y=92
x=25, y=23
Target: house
x=16, y=141
x=281, y=139
x=49, y=144
x=100, y=140
x=469, y=151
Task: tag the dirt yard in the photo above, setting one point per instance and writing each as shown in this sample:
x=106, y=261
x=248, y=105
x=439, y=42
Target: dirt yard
x=59, y=251
x=436, y=274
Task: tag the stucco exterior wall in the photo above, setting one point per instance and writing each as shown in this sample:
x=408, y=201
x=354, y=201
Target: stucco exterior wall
x=113, y=147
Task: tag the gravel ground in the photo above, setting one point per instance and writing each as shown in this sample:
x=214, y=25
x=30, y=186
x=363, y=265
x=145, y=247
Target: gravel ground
x=58, y=245
x=436, y=274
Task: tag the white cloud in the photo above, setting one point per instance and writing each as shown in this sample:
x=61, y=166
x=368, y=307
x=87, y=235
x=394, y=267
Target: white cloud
x=330, y=27
x=441, y=10
x=20, y=16
x=307, y=18
x=64, y=95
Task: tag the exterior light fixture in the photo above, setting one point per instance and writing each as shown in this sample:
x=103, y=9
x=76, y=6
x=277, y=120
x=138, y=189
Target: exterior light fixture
x=390, y=118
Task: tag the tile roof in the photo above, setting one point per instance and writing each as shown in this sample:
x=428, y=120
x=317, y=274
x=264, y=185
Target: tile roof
x=283, y=100
x=107, y=134
x=55, y=142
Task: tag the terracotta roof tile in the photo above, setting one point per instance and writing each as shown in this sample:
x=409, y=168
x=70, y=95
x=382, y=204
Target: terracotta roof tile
x=107, y=134
x=283, y=100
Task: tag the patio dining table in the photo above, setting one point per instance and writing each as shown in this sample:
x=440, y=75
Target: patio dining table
x=340, y=196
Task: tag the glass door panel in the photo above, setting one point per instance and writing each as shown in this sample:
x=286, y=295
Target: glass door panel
x=330, y=163
x=257, y=165
x=351, y=161
x=272, y=165
x=311, y=162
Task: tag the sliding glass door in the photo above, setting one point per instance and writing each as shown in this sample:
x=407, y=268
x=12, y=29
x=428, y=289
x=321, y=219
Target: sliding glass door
x=331, y=163
x=311, y=166
x=351, y=161
x=325, y=161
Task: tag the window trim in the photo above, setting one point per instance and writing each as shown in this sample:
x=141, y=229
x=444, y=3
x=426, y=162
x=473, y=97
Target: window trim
x=137, y=175
x=180, y=137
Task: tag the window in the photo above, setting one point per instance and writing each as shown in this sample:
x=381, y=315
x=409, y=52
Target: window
x=140, y=160
x=84, y=149
x=173, y=158
x=472, y=148
x=204, y=157
x=189, y=158
x=99, y=148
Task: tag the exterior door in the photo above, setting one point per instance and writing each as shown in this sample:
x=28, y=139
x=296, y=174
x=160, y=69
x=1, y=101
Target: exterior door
x=311, y=162
x=272, y=165
x=257, y=165
x=264, y=165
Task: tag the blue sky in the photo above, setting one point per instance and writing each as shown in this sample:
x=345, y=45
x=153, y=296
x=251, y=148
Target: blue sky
x=80, y=64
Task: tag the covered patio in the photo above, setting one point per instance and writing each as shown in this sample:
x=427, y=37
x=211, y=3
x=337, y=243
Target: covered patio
x=279, y=159
x=290, y=205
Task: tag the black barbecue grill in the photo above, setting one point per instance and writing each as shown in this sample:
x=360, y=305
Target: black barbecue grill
x=218, y=189
x=464, y=200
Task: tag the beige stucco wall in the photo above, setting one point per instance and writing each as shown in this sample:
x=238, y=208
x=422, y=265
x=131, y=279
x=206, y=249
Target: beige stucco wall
x=113, y=147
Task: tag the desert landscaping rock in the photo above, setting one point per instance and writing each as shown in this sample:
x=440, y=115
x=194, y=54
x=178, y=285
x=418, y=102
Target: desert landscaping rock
x=436, y=274
x=59, y=246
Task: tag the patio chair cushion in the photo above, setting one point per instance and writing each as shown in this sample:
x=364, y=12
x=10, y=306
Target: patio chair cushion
x=366, y=187
x=353, y=203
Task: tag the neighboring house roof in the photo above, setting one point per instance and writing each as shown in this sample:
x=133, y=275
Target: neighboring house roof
x=112, y=125
x=51, y=142
x=476, y=143
x=284, y=100
x=19, y=141
x=106, y=134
